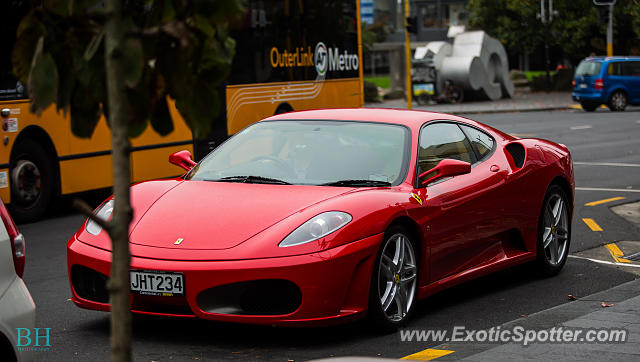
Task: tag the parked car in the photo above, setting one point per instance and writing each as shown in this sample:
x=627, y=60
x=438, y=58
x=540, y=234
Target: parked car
x=17, y=309
x=614, y=81
x=324, y=216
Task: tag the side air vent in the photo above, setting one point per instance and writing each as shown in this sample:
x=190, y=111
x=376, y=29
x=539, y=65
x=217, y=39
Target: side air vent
x=517, y=153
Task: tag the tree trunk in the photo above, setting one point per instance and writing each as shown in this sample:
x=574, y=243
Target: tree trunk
x=119, y=282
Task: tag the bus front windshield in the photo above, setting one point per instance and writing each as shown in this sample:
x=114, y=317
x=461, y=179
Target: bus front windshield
x=338, y=153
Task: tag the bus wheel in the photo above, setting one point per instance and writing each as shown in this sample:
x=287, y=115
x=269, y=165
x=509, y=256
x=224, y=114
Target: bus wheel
x=284, y=108
x=32, y=181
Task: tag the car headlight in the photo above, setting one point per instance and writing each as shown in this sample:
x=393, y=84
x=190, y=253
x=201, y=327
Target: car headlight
x=103, y=212
x=317, y=227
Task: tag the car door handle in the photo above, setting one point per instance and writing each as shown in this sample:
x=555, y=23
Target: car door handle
x=494, y=168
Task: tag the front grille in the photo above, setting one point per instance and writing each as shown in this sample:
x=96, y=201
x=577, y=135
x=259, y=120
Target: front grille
x=256, y=297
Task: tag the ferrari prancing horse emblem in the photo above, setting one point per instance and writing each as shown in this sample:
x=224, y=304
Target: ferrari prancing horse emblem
x=178, y=242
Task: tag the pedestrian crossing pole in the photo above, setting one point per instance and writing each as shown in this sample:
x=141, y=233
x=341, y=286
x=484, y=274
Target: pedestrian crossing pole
x=610, y=32
x=609, y=4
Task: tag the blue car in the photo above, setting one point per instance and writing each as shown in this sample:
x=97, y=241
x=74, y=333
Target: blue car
x=614, y=81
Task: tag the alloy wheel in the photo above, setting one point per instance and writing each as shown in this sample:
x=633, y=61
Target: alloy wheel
x=556, y=234
x=397, y=277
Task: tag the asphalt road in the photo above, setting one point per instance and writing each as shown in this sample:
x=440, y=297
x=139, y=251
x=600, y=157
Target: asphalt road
x=600, y=137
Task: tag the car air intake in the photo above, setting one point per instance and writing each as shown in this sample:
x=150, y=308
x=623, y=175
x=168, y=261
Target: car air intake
x=89, y=284
x=256, y=297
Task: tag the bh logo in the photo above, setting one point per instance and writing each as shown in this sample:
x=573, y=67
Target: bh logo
x=321, y=58
x=39, y=337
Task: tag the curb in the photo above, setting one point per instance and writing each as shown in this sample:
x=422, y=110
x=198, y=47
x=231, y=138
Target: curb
x=548, y=318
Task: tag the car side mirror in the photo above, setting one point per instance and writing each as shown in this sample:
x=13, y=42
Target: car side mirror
x=445, y=168
x=182, y=159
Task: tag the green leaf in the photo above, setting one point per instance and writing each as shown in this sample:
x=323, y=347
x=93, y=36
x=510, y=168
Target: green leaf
x=29, y=32
x=85, y=112
x=161, y=118
x=43, y=80
x=133, y=61
x=200, y=109
x=136, y=129
x=59, y=7
x=201, y=23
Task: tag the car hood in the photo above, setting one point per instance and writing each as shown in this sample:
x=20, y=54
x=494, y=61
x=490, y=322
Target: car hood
x=206, y=215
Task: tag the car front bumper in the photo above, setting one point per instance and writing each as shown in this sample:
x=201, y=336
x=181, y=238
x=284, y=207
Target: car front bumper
x=333, y=284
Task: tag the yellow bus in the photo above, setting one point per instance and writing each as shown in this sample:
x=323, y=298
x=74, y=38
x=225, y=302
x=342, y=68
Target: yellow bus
x=290, y=55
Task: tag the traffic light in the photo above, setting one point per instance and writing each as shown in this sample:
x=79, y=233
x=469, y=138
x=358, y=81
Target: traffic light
x=412, y=24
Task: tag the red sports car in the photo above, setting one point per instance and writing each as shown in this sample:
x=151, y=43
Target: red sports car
x=324, y=216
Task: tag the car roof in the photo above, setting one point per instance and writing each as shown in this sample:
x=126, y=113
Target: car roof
x=616, y=57
x=410, y=118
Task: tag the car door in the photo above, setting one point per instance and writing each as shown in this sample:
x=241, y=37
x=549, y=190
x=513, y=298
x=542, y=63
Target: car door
x=632, y=80
x=460, y=214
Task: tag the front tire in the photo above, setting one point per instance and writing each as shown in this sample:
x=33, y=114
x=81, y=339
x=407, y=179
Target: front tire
x=394, y=282
x=554, y=232
x=33, y=182
x=618, y=101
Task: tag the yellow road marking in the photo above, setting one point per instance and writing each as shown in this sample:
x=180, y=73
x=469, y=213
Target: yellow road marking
x=616, y=253
x=427, y=354
x=592, y=224
x=594, y=203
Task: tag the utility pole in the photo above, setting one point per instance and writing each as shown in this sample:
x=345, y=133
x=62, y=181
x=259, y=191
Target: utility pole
x=546, y=16
x=407, y=54
x=610, y=4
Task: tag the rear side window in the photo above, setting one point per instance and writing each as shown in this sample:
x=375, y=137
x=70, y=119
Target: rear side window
x=481, y=142
x=588, y=68
x=631, y=69
x=616, y=68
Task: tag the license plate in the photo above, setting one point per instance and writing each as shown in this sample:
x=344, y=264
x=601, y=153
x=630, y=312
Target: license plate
x=583, y=85
x=161, y=283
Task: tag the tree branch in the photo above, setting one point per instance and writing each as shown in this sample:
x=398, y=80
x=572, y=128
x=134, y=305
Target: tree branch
x=87, y=211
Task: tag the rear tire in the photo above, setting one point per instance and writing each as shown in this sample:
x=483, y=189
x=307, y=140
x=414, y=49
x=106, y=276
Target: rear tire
x=589, y=107
x=33, y=181
x=554, y=232
x=618, y=101
x=394, y=286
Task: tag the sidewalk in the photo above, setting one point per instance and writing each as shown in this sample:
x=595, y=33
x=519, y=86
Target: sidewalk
x=521, y=102
x=583, y=313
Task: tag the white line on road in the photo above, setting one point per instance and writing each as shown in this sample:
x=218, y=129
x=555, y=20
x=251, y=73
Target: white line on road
x=605, y=262
x=613, y=164
x=604, y=189
x=586, y=126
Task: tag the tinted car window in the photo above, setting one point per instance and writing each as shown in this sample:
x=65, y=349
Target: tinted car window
x=616, y=68
x=588, y=68
x=482, y=142
x=631, y=69
x=440, y=141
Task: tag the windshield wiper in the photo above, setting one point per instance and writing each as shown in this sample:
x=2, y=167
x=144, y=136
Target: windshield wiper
x=364, y=183
x=253, y=180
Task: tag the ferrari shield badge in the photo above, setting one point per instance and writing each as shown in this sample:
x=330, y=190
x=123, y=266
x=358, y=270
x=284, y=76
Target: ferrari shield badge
x=178, y=242
x=415, y=196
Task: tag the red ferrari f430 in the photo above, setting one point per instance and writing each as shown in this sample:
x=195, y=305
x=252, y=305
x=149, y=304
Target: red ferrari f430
x=325, y=216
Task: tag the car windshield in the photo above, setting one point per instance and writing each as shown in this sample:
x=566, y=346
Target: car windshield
x=335, y=153
x=588, y=68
